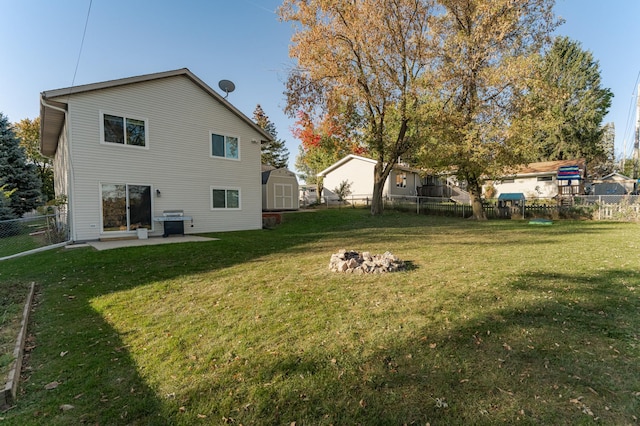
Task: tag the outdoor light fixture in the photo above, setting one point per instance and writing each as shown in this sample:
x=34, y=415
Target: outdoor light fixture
x=158, y=193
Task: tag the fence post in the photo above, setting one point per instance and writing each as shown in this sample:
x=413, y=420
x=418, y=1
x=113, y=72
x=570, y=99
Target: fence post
x=600, y=207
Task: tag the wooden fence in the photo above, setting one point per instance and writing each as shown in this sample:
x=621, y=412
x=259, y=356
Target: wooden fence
x=624, y=208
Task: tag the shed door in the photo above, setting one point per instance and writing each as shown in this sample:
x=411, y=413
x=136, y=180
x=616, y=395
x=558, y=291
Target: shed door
x=283, y=196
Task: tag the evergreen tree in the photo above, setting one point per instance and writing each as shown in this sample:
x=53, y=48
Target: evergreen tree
x=6, y=213
x=576, y=101
x=274, y=153
x=16, y=173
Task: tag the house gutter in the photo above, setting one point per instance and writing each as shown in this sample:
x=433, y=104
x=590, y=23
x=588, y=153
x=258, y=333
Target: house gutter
x=70, y=197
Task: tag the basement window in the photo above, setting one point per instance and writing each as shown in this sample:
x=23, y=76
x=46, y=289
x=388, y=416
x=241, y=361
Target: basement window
x=225, y=198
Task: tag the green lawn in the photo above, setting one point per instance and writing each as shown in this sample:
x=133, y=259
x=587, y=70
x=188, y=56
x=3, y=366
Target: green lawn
x=493, y=322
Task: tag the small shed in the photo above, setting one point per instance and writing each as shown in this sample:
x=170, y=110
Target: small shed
x=613, y=184
x=279, y=190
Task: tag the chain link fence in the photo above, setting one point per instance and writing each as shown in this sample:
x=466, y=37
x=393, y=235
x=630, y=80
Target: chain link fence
x=29, y=233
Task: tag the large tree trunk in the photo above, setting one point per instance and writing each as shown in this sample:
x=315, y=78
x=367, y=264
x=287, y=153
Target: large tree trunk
x=475, y=190
x=377, y=204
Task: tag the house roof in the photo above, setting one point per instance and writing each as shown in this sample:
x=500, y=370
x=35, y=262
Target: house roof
x=617, y=177
x=546, y=167
x=52, y=112
x=350, y=157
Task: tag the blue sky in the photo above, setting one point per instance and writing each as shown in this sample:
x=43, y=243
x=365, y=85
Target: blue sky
x=238, y=40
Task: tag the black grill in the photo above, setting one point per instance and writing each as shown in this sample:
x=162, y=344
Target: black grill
x=172, y=222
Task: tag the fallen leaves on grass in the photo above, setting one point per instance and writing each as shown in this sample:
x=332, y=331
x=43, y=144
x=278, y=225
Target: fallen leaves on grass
x=52, y=385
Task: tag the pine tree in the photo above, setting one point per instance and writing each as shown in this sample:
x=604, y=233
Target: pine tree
x=576, y=100
x=274, y=153
x=16, y=173
x=6, y=213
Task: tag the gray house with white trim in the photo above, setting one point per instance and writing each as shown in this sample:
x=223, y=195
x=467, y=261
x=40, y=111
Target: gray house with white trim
x=125, y=151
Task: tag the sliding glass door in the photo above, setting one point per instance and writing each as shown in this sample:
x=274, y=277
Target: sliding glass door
x=125, y=207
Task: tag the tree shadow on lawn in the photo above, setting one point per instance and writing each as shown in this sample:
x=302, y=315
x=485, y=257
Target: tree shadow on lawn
x=567, y=357
x=79, y=371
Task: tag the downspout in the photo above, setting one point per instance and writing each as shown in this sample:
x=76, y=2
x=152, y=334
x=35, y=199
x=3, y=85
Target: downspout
x=70, y=197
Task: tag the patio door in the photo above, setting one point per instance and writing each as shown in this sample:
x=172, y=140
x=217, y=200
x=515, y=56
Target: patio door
x=125, y=207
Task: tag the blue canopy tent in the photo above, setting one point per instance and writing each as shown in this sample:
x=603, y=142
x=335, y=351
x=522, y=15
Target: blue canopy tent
x=512, y=196
x=511, y=203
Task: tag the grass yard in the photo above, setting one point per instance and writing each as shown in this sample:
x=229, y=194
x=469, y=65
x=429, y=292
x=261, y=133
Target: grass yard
x=494, y=322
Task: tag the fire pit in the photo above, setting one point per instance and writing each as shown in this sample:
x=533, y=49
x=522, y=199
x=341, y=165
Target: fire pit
x=349, y=261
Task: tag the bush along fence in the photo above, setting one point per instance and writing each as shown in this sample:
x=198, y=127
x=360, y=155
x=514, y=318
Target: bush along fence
x=30, y=233
x=617, y=208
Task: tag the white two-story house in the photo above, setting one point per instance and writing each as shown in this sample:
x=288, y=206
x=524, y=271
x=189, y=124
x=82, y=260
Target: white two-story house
x=127, y=151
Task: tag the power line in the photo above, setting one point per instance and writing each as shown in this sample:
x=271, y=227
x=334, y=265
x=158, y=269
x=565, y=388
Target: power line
x=84, y=33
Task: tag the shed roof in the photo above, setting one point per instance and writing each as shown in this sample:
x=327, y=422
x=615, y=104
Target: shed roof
x=53, y=104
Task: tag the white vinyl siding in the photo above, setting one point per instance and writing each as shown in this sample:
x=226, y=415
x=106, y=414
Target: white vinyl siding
x=359, y=173
x=179, y=116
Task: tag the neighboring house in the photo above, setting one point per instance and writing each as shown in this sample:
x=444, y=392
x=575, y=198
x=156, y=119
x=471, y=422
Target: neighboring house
x=125, y=151
x=613, y=184
x=546, y=179
x=308, y=194
x=279, y=190
x=358, y=172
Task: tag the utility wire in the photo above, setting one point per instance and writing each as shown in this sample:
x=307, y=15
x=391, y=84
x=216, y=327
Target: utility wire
x=84, y=33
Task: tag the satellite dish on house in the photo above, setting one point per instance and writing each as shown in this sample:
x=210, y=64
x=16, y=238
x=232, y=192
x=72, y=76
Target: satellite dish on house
x=227, y=87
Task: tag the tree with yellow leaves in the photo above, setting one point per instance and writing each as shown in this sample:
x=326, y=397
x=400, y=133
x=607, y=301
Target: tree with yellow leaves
x=490, y=89
x=364, y=58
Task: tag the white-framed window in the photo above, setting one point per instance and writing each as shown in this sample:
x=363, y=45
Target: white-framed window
x=123, y=130
x=225, y=198
x=401, y=180
x=225, y=146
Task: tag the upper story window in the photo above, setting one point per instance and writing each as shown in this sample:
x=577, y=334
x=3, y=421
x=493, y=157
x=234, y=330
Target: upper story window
x=124, y=130
x=225, y=146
